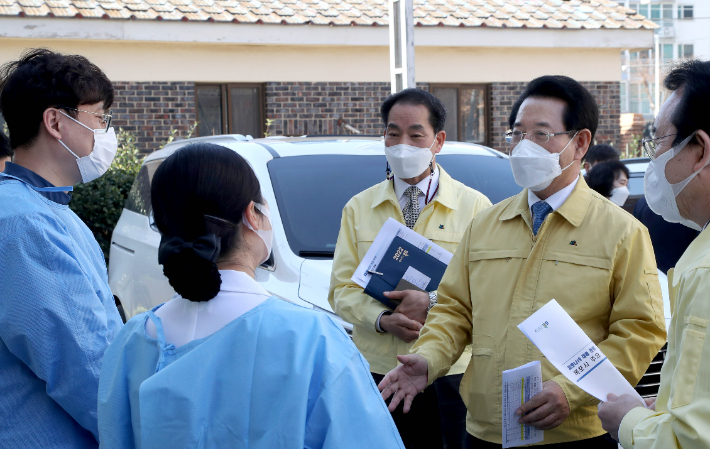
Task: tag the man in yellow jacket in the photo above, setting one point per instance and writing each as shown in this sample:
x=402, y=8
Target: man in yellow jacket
x=424, y=197
x=677, y=187
x=557, y=239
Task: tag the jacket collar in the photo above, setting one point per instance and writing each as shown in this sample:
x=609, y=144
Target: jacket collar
x=446, y=195
x=574, y=209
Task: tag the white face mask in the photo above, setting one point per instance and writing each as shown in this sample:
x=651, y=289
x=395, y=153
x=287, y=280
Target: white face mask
x=534, y=167
x=97, y=163
x=660, y=194
x=407, y=161
x=619, y=195
x=267, y=236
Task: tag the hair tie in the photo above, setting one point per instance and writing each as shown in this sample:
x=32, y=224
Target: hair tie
x=207, y=247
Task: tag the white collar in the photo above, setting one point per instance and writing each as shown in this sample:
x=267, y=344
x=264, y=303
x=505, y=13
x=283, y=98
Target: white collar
x=184, y=321
x=240, y=282
x=557, y=199
x=400, y=186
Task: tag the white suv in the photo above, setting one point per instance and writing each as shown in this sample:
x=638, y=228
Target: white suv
x=307, y=181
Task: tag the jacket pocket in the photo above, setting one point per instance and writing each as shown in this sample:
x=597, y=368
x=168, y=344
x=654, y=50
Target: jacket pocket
x=686, y=371
x=481, y=385
x=364, y=240
x=580, y=283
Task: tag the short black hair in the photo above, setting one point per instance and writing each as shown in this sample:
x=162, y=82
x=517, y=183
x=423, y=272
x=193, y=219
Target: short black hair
x=602, y=176
x=581, y=112
x=691, y=112
x=43, y=79
x=601, y=153
x=197, y=180
x=5, y=150
x=437, y=111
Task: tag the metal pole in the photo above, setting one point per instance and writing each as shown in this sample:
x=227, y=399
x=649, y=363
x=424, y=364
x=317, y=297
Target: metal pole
x=657, y=77
x=401, y=31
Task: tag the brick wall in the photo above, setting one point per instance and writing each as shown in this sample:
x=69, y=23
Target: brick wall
x=607, y=94
x=299, y=108
x=152, y=109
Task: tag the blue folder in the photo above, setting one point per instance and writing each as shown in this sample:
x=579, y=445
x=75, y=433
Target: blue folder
x=399, y=257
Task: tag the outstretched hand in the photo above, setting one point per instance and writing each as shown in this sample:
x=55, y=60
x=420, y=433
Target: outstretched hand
x=405, y=381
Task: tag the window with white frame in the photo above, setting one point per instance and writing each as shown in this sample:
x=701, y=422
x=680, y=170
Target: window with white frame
x=685, y=11
x=666, y=53
x=662, y=14
x=640, y=97
x=685, y=50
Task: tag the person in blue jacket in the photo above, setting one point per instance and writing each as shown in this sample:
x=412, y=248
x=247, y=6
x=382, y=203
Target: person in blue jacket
x=224, y=363
x=57, y=313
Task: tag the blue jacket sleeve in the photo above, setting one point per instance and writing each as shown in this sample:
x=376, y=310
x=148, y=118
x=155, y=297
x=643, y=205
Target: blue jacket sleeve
x=350, y=412
x=51, y=317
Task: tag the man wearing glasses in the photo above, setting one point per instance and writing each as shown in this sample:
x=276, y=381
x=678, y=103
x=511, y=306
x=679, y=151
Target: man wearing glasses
x=556, y=239
x=677, y=187
x=57, y=313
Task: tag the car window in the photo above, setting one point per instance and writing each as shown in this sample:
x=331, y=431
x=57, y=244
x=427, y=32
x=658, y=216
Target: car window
x=311, y=191
x=635, y=185
x=139, y=197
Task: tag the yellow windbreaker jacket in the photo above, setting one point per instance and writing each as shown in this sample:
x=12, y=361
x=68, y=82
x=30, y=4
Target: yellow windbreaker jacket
x=444, y=221
x=591, y=256
x=682, y=416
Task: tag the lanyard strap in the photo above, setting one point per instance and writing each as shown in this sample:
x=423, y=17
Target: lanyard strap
x=427, y=199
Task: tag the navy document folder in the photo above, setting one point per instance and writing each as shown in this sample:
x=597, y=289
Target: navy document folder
x=404, y=262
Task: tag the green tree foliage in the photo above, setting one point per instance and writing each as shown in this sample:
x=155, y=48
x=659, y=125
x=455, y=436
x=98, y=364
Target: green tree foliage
x=99, y=203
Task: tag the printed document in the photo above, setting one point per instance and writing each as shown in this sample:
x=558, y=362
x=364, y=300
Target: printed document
x=519, y=386
x=391, y=229
x=573, y=353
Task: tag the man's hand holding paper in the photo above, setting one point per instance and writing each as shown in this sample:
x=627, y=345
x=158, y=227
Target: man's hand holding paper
x=547, y=409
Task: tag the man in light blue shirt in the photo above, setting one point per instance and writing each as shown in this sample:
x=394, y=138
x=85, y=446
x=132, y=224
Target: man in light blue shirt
x=57, y=313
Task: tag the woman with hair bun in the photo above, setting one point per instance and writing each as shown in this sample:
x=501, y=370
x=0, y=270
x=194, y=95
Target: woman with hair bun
x=223, y=364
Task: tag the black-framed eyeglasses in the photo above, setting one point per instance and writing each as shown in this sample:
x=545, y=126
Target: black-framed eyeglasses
x=105, y=118
x=539, y=136
x=649, y=145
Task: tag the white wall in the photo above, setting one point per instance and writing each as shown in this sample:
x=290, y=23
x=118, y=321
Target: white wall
x=695, y=31
x=202, y=62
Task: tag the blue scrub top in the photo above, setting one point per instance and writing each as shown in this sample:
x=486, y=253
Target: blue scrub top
x=279, y=376
x=57, y=317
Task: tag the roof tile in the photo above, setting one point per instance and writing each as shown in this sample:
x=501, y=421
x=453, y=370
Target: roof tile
x=556, y=14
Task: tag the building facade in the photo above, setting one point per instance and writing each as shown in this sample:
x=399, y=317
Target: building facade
x=682, y=34
x=316, y=67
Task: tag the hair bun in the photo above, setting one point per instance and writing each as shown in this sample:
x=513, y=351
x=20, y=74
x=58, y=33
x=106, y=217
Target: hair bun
x=192, y=276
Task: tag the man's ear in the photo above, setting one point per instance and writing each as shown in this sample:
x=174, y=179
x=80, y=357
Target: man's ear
x=440, y=139
x=584, y=139
x=703, y=140
x=51, y=122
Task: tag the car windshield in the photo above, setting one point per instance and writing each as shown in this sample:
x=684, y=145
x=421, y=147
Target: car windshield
x=311, y=191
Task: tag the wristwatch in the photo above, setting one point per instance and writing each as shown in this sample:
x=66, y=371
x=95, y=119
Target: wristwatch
x=432, y=300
